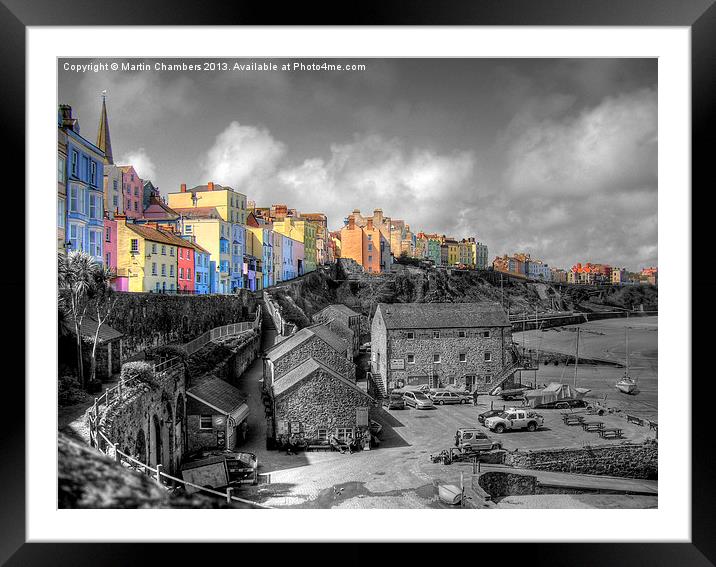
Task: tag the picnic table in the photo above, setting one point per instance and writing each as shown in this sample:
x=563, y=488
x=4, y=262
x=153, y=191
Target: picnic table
x=592, y=425
x=573, y=419
x=610, y=433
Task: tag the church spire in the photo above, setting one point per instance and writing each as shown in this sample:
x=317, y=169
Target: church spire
x=103, y=141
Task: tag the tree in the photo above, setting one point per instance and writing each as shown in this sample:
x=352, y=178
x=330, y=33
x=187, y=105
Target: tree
x=103, y=300
x=83, y=285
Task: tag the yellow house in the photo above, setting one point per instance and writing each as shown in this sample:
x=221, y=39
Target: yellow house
x=230, y=204
x=453, y=252
x=213, y=234
x=146, y=257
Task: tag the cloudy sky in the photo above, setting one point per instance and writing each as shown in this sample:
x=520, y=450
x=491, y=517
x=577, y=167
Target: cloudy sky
x=554, y=157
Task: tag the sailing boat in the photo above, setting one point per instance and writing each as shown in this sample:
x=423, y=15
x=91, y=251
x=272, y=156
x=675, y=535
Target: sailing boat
x=627, y=384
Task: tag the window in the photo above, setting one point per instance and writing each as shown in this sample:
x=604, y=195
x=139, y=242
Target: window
x=136, y=192
x=108, y=235
x=370, y=237
x=154, y=248
x=461, y=334
x=181, y=273
x=164, y=250
x=411, y=359
x=436, y=359
x=74, y=230
x=154, y=268
x=134, y=246
x=93, y=207
x=156, y=287
x=370, y=247
x=188, y=273
x=486, y=334
x=322, y=434
x=114, y=184
x=135, y=205
x=171, y=270
x=61, y=169
x=370, y=258
x=463, y=357
x=107, y=259
x=74, y=198
x=181, y=253
x=129, y=205
x=451, y=380
x=344, y=432
x=436, y=334
x=74, y=163
x=171, y=287
x=164, y=269
x=93, y=173
x=95, y=246
x=115, y=201
x=488, y=378
x=188, y=229
x=171, y=251
x=61, y=213
x=411, y=335
x=488, y=357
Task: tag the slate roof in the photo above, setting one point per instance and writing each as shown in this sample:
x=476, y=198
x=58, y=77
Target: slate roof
x=305, y=370
x=339, y=308
x=89, y=327
x=321, y=331
x=219, y=394
x=199, y=212
x=151, y=234
x=442, y=315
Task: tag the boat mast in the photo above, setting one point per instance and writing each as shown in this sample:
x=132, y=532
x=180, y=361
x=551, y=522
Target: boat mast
x=626, y=335
x=576, y=359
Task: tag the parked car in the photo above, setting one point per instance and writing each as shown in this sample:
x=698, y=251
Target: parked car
x=489, y=413
x=418, y=400
x=446, y=397
x=514, y=418
x=472, y=439
x=394, y=401
x=564, y=403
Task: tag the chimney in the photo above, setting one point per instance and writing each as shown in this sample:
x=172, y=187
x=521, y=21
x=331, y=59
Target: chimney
x=370, y=224
x=351, y=222
x=182, y=188
x=210, y=186
x=378, y=215
x=66, y=113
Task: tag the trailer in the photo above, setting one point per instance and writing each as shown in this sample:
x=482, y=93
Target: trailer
x=219, y=470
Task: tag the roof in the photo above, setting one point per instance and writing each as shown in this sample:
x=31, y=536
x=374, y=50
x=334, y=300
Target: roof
x=218, y=394
x=158, y=207
x=340, y=308
x=288, y=344
x=199, y=212
x=196, y=246
x=305, y=370
x=442, y=315
x=152, y=234
x=89, y=327
x=217, y=187
x=176, y=239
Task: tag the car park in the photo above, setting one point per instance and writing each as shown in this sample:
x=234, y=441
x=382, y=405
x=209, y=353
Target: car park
x=418, y=400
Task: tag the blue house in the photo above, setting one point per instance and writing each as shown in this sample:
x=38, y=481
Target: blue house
x=85, y=188
x=238, y=249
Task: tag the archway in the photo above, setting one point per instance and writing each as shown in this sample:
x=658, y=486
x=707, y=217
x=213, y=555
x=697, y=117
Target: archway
x=140, y=447
x=167, y=434
x=179, y=441
x=155, y=442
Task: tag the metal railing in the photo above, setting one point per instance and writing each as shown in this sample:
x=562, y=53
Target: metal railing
x=103, y=444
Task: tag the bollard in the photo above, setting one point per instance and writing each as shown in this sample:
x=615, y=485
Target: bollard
x=229, y=492
x=159, y=473
x=117, y=458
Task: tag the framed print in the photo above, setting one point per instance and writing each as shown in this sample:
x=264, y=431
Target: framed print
x=372, y=280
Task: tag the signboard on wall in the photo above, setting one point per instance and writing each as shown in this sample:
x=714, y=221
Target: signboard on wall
x=397, y=364
x=221, y=438
x=361, y=417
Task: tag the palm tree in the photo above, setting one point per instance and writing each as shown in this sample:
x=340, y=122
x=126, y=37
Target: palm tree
x=76, y=276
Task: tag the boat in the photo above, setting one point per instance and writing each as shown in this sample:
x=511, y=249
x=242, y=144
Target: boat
x=627, y=385
x=450, y=494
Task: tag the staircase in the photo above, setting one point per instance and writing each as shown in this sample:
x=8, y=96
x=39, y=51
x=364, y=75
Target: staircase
x=378, y=384
x=506, y=373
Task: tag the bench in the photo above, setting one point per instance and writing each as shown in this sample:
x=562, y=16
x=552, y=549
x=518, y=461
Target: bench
x=634, y=419
x=610, y=433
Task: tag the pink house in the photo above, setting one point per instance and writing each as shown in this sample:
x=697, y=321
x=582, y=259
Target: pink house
x=132, y=192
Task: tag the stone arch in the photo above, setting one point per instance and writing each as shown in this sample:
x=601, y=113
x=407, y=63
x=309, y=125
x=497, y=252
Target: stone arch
x=155, y=441
x=140, y=447
x=167, y=442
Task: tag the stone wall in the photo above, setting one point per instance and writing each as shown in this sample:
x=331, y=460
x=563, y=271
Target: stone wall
x=450, y=370
x=624, y=460
x=321, y=351
x=321, y=402
x=273, y=310
x=498, y=484
x=153, y=319
x=149, y=421
x=227, y=359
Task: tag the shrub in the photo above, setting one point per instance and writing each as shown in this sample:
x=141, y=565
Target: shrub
x=138, y=372
x=69, y=391
x=165, y=352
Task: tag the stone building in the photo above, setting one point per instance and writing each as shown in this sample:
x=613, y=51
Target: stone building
x=215, y=412
x=340, y=319
x=316, y=341
x=466, y=345
x=313, y=401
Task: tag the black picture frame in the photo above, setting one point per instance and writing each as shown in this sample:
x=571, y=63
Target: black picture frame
x=16, y=15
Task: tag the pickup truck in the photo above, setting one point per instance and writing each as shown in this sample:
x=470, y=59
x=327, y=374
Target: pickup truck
x=514, y=418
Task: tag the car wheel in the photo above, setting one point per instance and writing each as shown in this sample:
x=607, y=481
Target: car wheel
x=462, y=402
x=562, y=406
x=499, y=428
x=441, y=402
x=531, y=426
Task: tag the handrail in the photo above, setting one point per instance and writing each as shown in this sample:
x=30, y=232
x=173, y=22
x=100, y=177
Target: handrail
x=108, y=396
